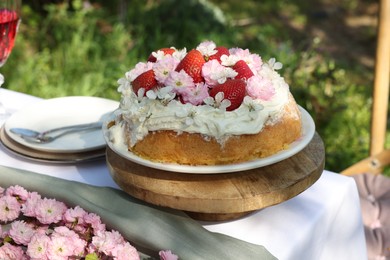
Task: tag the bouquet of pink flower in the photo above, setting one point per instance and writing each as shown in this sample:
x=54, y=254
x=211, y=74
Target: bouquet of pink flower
x=33, y=227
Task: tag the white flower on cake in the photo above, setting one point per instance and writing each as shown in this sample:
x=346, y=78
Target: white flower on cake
x=218, y=101
x=164, y=94
x=254, y=106
x=207, y=48
x=188, y=113
x=274, y=64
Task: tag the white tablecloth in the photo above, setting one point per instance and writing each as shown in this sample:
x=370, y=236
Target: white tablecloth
x=324, y=222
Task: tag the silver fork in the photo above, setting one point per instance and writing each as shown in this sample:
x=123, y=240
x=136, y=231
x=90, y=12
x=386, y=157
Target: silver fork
x=33, y=136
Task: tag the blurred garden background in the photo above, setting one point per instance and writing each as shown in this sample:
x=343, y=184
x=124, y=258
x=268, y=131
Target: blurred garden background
x=327, y=48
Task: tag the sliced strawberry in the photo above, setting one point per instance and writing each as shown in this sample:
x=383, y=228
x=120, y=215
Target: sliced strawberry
x=220, y=51
x=146, y=80
x=233, y=90
x=243, y=70
x=192, y=64
x=166, y=52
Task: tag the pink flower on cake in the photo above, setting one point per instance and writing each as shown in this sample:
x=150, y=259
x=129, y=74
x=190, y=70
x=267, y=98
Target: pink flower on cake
x=50, y=211
x=253, y=60
x=163, y=68
x=260, y=88
x=9, y=208
x=21, y=232
x=207, y=48
x=180, y=81
x=196, y=95
x=139, y=68
x=214, y=73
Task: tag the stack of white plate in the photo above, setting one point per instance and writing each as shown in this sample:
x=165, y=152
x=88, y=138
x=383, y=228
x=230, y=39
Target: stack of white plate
x=54, y=113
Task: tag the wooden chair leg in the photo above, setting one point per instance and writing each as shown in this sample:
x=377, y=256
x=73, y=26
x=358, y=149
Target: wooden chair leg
x=381, y=82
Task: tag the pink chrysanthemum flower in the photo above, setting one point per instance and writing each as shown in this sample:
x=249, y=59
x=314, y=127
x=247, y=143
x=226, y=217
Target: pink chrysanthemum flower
x=9, y=208
x=59, y=248
x=8, y=251
x=254, y=61
x=21, y=232
x=50, y=211
x=163, y=67
x=139, y=68
x=125, y=252
x=106, y=241
x=196, y=95
x=76, y=244
x=214, y=73
x=2, y=190
x=75, y=215
x=207, y=48
x=17, y=191
x=95, y=222
x=37, y=247
x=63, y=231
x=180, y=81
x=260, y=88
x=167, y=255
x=28, y=208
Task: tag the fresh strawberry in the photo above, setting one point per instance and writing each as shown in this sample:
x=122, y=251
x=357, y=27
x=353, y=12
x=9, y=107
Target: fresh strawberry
x=220, y=51
x=146, y=80
x=192, y=64
x=233, y=90
x=166, y=52
x=243, y=70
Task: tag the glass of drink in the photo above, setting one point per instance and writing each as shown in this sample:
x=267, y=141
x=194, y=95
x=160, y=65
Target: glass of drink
x=9, y=23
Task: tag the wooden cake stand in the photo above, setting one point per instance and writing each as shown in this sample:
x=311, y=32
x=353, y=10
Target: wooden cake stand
x=225, y=196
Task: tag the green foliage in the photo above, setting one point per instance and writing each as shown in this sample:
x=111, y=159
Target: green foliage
x=68, y=53
x=75, y=48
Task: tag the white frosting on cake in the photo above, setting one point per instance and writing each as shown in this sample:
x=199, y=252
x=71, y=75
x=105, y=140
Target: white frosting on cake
x=143, y=115
x=140, y=114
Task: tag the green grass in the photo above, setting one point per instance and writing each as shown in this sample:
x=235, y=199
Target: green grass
x=70, y=49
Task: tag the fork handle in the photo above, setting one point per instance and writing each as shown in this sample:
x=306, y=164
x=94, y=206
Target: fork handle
x=73, y=128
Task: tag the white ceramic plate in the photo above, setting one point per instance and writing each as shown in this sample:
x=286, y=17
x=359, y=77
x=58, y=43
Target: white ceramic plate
x=307, y=134
x=57, y=112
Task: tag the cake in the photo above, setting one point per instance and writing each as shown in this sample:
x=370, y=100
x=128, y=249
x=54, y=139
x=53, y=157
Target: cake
x=207, y=106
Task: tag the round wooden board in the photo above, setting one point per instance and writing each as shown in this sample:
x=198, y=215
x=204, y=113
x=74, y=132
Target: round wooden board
x=215, y=197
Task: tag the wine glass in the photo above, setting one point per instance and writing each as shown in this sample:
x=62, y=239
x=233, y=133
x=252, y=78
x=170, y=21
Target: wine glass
x=9, y=23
